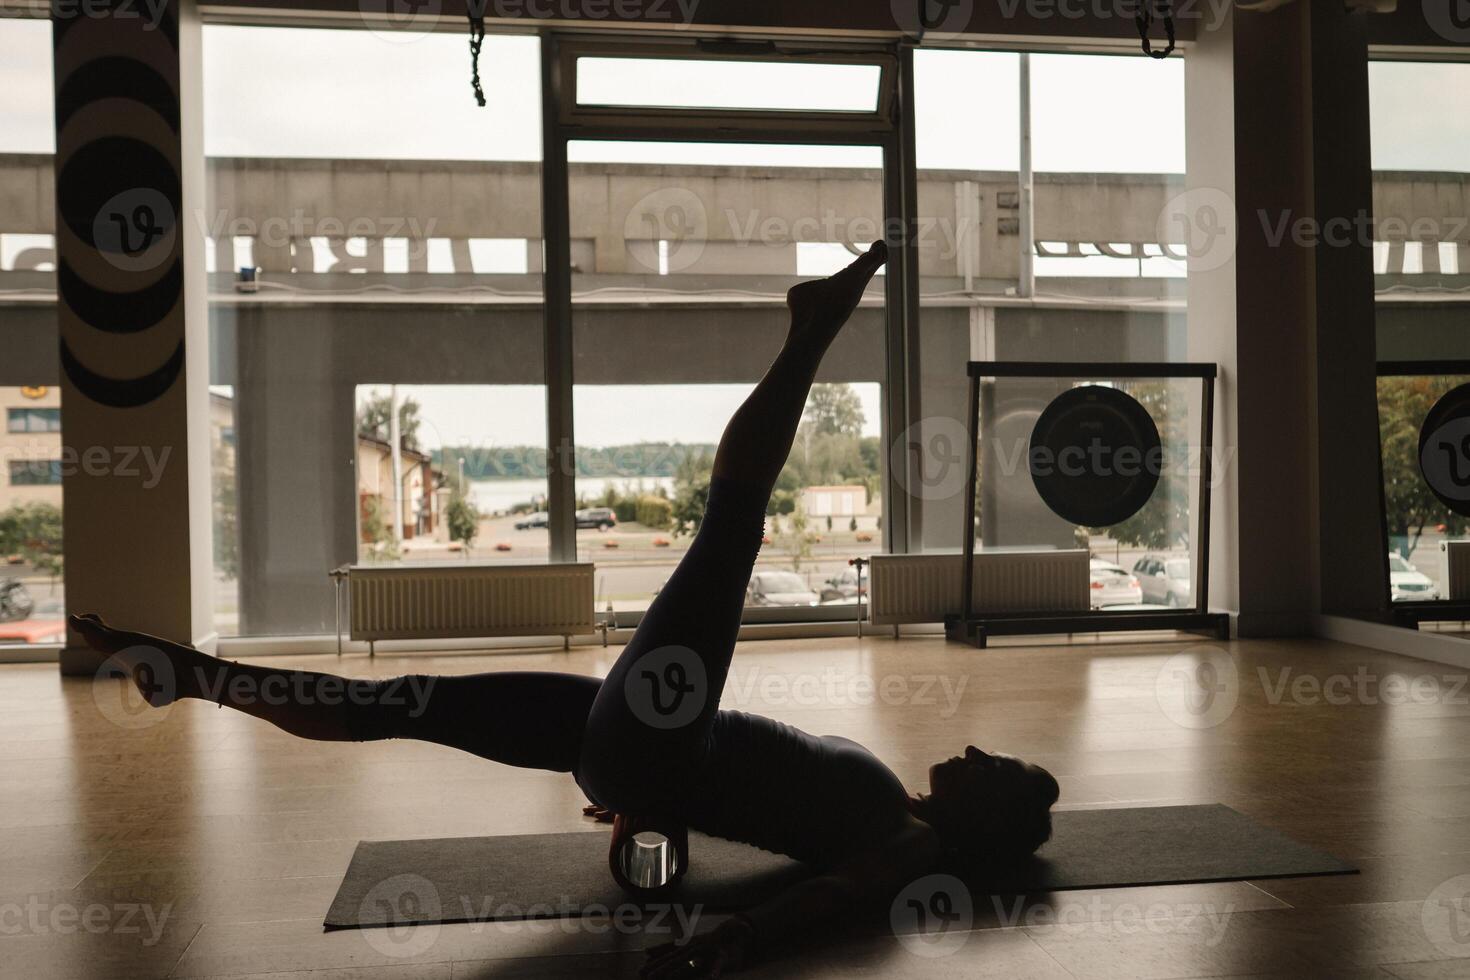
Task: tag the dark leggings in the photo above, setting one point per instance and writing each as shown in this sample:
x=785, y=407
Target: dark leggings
x=635, y=738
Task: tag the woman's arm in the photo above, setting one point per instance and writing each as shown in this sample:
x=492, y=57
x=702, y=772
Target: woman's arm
x=864, y=881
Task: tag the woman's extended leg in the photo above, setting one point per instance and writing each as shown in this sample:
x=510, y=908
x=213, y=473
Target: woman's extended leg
x=655, y=708
x=531, y=719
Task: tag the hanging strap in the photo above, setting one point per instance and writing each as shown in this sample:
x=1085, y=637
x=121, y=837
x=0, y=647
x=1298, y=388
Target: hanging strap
x=477, y=38
x=1145, y=20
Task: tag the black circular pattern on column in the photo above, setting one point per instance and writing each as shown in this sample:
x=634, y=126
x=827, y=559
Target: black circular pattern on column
x=121, y=312
x=122, y=392
x=119, y=194
x=126, y=78
x=1095, y=456
x=109, y=168
x=1444, y=449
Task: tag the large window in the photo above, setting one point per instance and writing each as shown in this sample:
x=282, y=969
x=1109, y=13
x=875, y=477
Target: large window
x=32, y=597
x=1091, y=271
x=682, y=255
x=471, y=473
x=1421, y=257
x=380, y=341
x=373, y=245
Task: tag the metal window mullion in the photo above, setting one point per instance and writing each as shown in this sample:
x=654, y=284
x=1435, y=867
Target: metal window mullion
x=902, y=512
x=561, y=483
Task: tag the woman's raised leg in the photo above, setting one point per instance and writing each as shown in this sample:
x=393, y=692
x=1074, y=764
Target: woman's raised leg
x=655, y=707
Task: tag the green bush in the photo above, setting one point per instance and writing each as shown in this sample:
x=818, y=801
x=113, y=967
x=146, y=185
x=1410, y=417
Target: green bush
x=654, y=512
x=626, y=508
x=463, y=519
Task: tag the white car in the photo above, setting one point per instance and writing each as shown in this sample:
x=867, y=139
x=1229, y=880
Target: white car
x=1164, y=580
x=779, y=589
x=1407, y=583
x=1112, y=586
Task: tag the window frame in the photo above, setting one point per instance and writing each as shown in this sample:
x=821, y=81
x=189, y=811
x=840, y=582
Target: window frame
x=889, y=128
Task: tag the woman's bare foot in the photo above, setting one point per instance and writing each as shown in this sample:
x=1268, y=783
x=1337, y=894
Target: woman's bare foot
x=820, y=307
x=100, y=636
x=161, y=670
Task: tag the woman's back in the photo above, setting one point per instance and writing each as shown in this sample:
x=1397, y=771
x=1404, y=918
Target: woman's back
x=815, y=798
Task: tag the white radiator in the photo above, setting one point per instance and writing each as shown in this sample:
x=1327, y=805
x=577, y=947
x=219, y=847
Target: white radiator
x=403, y=602
x=925, y=588
x=1454, y=569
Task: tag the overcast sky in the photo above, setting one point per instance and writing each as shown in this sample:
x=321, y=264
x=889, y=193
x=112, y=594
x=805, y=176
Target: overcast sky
x=321, y=93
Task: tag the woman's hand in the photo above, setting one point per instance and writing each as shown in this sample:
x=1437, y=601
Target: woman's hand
x=717, y=953
x=599, y=813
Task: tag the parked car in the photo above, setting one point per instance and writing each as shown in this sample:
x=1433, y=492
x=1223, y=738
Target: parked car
x=1406, y=582
x=34, y=631
x=1164, y=580
x=1111, y=586
x=779, y=589
x=600, y=518
x=843, y=587
x=15, y=601
x=529, y=521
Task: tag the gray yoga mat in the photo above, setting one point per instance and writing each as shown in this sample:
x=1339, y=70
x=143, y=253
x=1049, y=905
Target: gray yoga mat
x=483, y=879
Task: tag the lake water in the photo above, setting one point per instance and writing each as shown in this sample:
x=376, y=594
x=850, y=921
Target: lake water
x=501, y=495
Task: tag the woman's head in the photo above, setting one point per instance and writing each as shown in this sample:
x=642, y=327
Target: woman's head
x=989, y=809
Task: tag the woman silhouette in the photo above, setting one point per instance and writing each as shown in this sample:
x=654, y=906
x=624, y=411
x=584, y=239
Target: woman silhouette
x=649, y=742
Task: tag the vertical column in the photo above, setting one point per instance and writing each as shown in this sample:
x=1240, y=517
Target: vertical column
x=1211, y=317
x=561, y=476
x=1351, y=536
x=132, y=316
x=1278, y=117
x=1250, y=309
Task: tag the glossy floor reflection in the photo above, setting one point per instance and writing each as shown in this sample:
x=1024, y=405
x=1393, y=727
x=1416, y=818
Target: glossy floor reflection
x=199, y=842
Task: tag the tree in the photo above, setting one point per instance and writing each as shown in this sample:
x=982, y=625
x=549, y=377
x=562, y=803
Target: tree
x=463, y=518
x=1163, y=522
x=377, y=531
x=33, y=531
x=1409, y=505
x=796, y=539
x=372, y=419
x=835, y=409
x=691, y=492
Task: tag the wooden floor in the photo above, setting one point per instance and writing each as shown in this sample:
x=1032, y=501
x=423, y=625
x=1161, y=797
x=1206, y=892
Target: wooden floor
x=209, y=844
